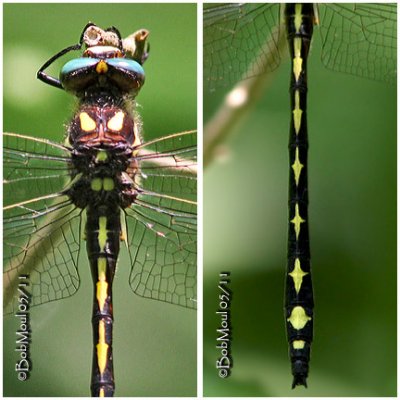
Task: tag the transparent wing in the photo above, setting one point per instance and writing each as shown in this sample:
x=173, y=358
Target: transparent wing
x=360, y=39
x=241, y=40
x=161, y=226
x=41, y=227
x=235, y=38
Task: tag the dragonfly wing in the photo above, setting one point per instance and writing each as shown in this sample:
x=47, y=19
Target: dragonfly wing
x=237, y=39
x=360, y=39
x=162, y=225
x=41, y=227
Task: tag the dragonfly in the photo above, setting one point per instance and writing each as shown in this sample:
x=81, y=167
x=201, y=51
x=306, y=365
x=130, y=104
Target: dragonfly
x=243, y=41
x=104, y=186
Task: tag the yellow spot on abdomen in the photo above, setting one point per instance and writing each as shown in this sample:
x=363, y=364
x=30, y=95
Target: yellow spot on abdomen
x=297, y=221
x=298, y=318
x=96, y=184
x=102, y=348
x=297, y=274
x=297, y=60
x=102, y=234
x=108, y=184
x=297, y=167
x=297, y=112
x=101, y=285
x=116, y=122
x=88, y=124
x=298, y=16
x=298, y=344
x=101, y=393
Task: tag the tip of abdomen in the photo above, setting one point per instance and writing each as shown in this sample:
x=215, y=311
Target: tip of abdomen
x=300, y=373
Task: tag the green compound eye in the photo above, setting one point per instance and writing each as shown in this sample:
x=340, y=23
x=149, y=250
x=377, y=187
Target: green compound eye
x=128, y=75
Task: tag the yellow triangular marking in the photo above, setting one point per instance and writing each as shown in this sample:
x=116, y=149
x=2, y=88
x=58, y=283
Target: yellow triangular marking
x=297, y=166
x=87, y=123
x=297, y=112
x=298, y=318
x=296, y=221
x=116, y=122
x=297, y=274
x=101, y=67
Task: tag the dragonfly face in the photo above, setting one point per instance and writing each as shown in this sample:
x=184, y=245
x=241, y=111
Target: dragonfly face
x=77, y=177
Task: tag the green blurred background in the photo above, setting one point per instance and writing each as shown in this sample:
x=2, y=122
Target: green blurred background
x=154, y=343
x=352, y=177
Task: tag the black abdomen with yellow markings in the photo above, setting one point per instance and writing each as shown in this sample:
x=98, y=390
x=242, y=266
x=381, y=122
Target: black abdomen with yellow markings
x=248, y=41
x=299, y=294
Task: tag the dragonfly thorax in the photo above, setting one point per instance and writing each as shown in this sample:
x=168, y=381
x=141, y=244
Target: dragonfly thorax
x=102, y=126
x=102, y=140
x=99, y=189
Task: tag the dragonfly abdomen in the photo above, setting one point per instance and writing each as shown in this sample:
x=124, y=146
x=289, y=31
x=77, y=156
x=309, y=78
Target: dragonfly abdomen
x=299, y=298
x=102, y=242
